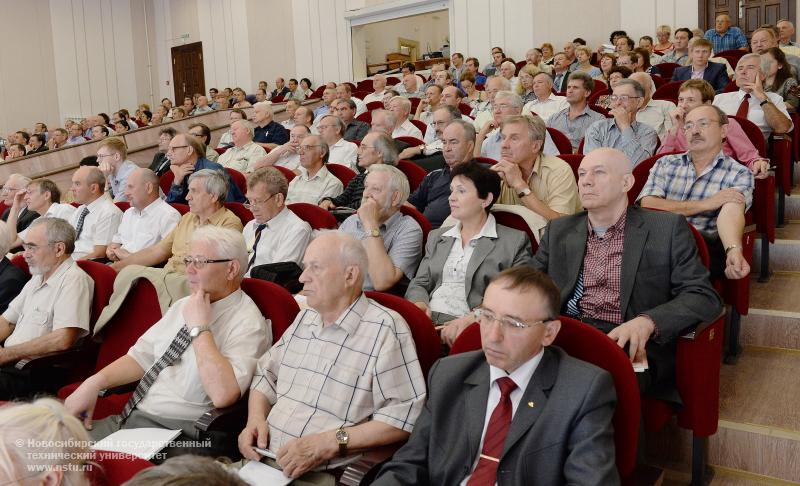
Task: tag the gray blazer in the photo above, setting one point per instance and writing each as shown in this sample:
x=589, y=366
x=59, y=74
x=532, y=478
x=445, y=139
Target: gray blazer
x=561, y=432
x=661, y=277
x=490, y=257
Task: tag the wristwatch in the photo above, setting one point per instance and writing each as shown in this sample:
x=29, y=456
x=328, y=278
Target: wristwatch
x=732, y=247
x=375, y=233
x=342, y=438
x=196, y=331
x=524, y=192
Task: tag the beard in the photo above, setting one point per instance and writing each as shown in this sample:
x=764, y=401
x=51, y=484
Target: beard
x=38, y=270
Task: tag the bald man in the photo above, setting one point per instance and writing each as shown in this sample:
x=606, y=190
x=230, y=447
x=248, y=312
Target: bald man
x=630, y=272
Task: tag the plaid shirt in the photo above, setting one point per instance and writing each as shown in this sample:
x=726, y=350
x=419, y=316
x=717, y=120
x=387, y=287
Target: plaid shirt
x=602, y=265
x=733, y=38
x=673, y=177
x=362, y=367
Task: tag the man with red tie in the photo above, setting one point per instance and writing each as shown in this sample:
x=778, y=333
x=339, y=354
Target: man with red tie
x=518, y=412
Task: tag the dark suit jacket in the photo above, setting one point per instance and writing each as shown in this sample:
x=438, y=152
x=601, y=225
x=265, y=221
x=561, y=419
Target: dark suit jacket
x=661, y=277
x=565, y=437
x=560, y=87
x=12, y=279
x=24, y=220
x=715, y=73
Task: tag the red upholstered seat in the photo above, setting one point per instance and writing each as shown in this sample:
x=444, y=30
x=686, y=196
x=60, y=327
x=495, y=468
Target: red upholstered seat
x=514, y=220
x=274, y=302
x=420, y=124
x=123, y=205
x=374, y=105
x=288, y=173
x=238, y=178
x=420, y=219
x=365, y=117
x=668, y=91
x=315, y=216
x=411, y=141
x=667, y=68
x=115, y=468
x=413, y=172
x=560, y=140
x=181, y=208
x=341, y=172
x=574, y=161
x=165, y=181
x=485, y=160
x=244, y=214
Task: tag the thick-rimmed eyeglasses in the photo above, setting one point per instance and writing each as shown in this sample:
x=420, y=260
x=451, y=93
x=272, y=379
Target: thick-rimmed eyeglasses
x=200, y=262
x=485, y=318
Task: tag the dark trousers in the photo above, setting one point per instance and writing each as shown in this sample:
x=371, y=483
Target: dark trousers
x=21, y=385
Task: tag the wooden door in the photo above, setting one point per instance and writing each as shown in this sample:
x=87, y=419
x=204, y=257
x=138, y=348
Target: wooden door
x=187, y=71
x=748, y=15
x=709, y=9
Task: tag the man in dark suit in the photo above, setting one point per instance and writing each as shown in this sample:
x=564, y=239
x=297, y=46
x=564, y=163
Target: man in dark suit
x=630, y=272
x=518, y=412
x=560, y=71
x=713, y=72
x=14, y=184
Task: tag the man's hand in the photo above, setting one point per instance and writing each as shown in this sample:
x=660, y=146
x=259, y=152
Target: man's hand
x=82, y=401
x=424, y=308
x=676, y=116
x=510, y=173
x=304, y=454
x=621, y=116
x=18, y=199
x=760, y=168
x=410, y=152
x=327, y=204
x=106, y=168
x=255, y=433
x=197, y=310
x=722, y=197
x=111, y=253
x=3, y=356
x=488, y=127
x=181, y=171
x=736, y=266
x=453, y=329
x=369, y=212
x=635, y=332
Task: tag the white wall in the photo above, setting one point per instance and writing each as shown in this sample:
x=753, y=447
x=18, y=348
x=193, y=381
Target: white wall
x=428, y=29
x=321, y=40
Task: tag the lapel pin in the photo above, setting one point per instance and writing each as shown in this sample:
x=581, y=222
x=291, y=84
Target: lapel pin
x=530, y=404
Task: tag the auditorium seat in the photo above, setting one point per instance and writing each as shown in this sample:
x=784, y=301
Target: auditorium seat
x=341, y=172
x=411, y=141
x=244, y=214
x=288, y=173
x=115, y=468
x=514, y=220
x=123, y=205
x=668, y=91
x=560, y=140
x=374, y=105
x=485, y=160
x=413, y=172
x=667, y=68
x=574, y=161
x=315, y=216
x=237, y=178
x=181, y=208
x=420, y=219
x=421, y=125
x=165, y=181
x=365, y=117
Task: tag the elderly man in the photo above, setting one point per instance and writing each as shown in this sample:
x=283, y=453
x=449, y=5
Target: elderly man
x=345, y=92
x=766, y=109
x=244, y=153
x=304, y=116
x=700, y=68
x=22, y=215
x=379, y=89
x=377, y=148
x=160, y=163
x=360, y=349
x=202, y=106
x=546, y=103
x=482, y=113
x=393, y=241
x=574, y=120
x=429, y=154
x=635, y=139
x=457, y=67
x=355, y=130
x=328, y=96
x=764, y=38
x=432, y=196
x=267, y=133
x=12, y=278
x=340, y=151
x=488, y=143
x=785, y=34
x=291, y=106
x=714, y=201
x=186, y=156
x=401, y=108
x=533, y=57
x=148, y=220
x=51, y=312
x=315, y=182
x=40, y=197
x=97, y=218
x=112, y=156
x=428, y=104
x=275, y=234
x=280, y=88
x=518, y=321
x=542, y=183
x=214, y=336
x=654, y=113
x=207, y=189
x=561, y=71
x=286, y=155
x=724, y=37
x=410, y=87
x=632, y=273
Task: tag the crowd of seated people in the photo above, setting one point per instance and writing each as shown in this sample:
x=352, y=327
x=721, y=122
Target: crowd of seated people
x=421, y=190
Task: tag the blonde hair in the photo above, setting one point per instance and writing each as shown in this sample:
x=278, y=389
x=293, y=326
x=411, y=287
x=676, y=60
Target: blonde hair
x=40, y=437
x=115, y=144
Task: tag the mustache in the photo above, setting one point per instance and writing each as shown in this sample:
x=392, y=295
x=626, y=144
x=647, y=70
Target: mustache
x=697, y=138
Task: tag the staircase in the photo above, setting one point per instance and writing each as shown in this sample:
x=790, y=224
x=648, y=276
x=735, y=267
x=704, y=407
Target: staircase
x=758, y=441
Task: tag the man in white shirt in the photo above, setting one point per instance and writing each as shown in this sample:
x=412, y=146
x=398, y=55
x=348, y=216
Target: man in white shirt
x=546, y=103
x=654, y=112
x=291, y=106
x=275, y=234
x=244, y=153
x=147, y=221
x=43, y=197
x=214, y=337
x=111, y=155
x=766, y=109
x=286, y=155
x=404, y=128
x=379, y=89
x=340, y=151
x=51, y=312
x=483, y=111
x=428, y=104
x=97, y=218
x=315, y=181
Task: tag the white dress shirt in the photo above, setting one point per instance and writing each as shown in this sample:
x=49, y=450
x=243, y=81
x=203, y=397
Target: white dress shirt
x=374, y=97
x=344, y=153
x=407, y=129
x=289, y=160
x=547, y=108
x=242, y=158
x=656, y=114
x=729, y=103
x=99, y=226
x=312, y=190
x=361, y=107
x=145, y=228
x=283, y=240
x=56, y=210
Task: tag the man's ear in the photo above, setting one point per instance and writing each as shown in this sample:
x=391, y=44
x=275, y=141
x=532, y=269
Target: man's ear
x=550, y=332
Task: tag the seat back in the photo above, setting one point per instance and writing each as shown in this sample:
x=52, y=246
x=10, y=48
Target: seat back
x=753, y=133
x=413, y=172
x=414, y=104
x=244, y=214
x=658, y=80
x=560, y=140
x=574, y=161
x=315, y=216
x=274, y=302
x=103, y=277
x=365, y=117
x=730, y=87
x=411, y=141
x=420, y=219
x=374, y=105
x=640, y=174
x=19, y=262
x=599, y=86
x=165, y=181
x=517, y=222
x=426, y=339
x=668, y=91
x=365, y=85
x=341, y=172
x=237, y=178
x=735, y=54
x=464, y=108
x=123, y=205
x=596, y=95
x=667, y=68
x=485, y=160
x=288, y=173
x=181, y=208
x=423, y=127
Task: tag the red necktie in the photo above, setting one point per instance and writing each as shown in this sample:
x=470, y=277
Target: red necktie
x=744, y=107
x=485, y=473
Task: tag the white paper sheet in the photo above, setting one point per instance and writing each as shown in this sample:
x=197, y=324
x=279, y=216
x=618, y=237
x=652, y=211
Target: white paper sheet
x=258, y=474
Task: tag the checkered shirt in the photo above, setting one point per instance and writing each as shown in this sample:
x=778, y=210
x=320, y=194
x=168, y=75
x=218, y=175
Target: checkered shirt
x=673, y=177
x=602, y=265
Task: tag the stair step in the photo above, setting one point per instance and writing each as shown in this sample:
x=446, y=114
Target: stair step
x=781, y=293
x=793, y=204
x=771, y=328
x=790, y=231
x=784, y=254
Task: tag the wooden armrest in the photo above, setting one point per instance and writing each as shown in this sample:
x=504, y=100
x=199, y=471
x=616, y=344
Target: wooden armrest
x=118, y=390
x=694, y=333
x=57, y=358
x=227, y=418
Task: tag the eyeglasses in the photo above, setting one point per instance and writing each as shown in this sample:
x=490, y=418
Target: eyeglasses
x=250, y=204
x=172, y=149
x=100, y=156
x=701, y=124
x=303, y=148
x=622, y=98
x=200, y=262
x=362, y=146
x=486, y=317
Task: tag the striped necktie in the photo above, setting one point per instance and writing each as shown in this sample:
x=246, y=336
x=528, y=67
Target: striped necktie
x=81, y=218
x=259, y=229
